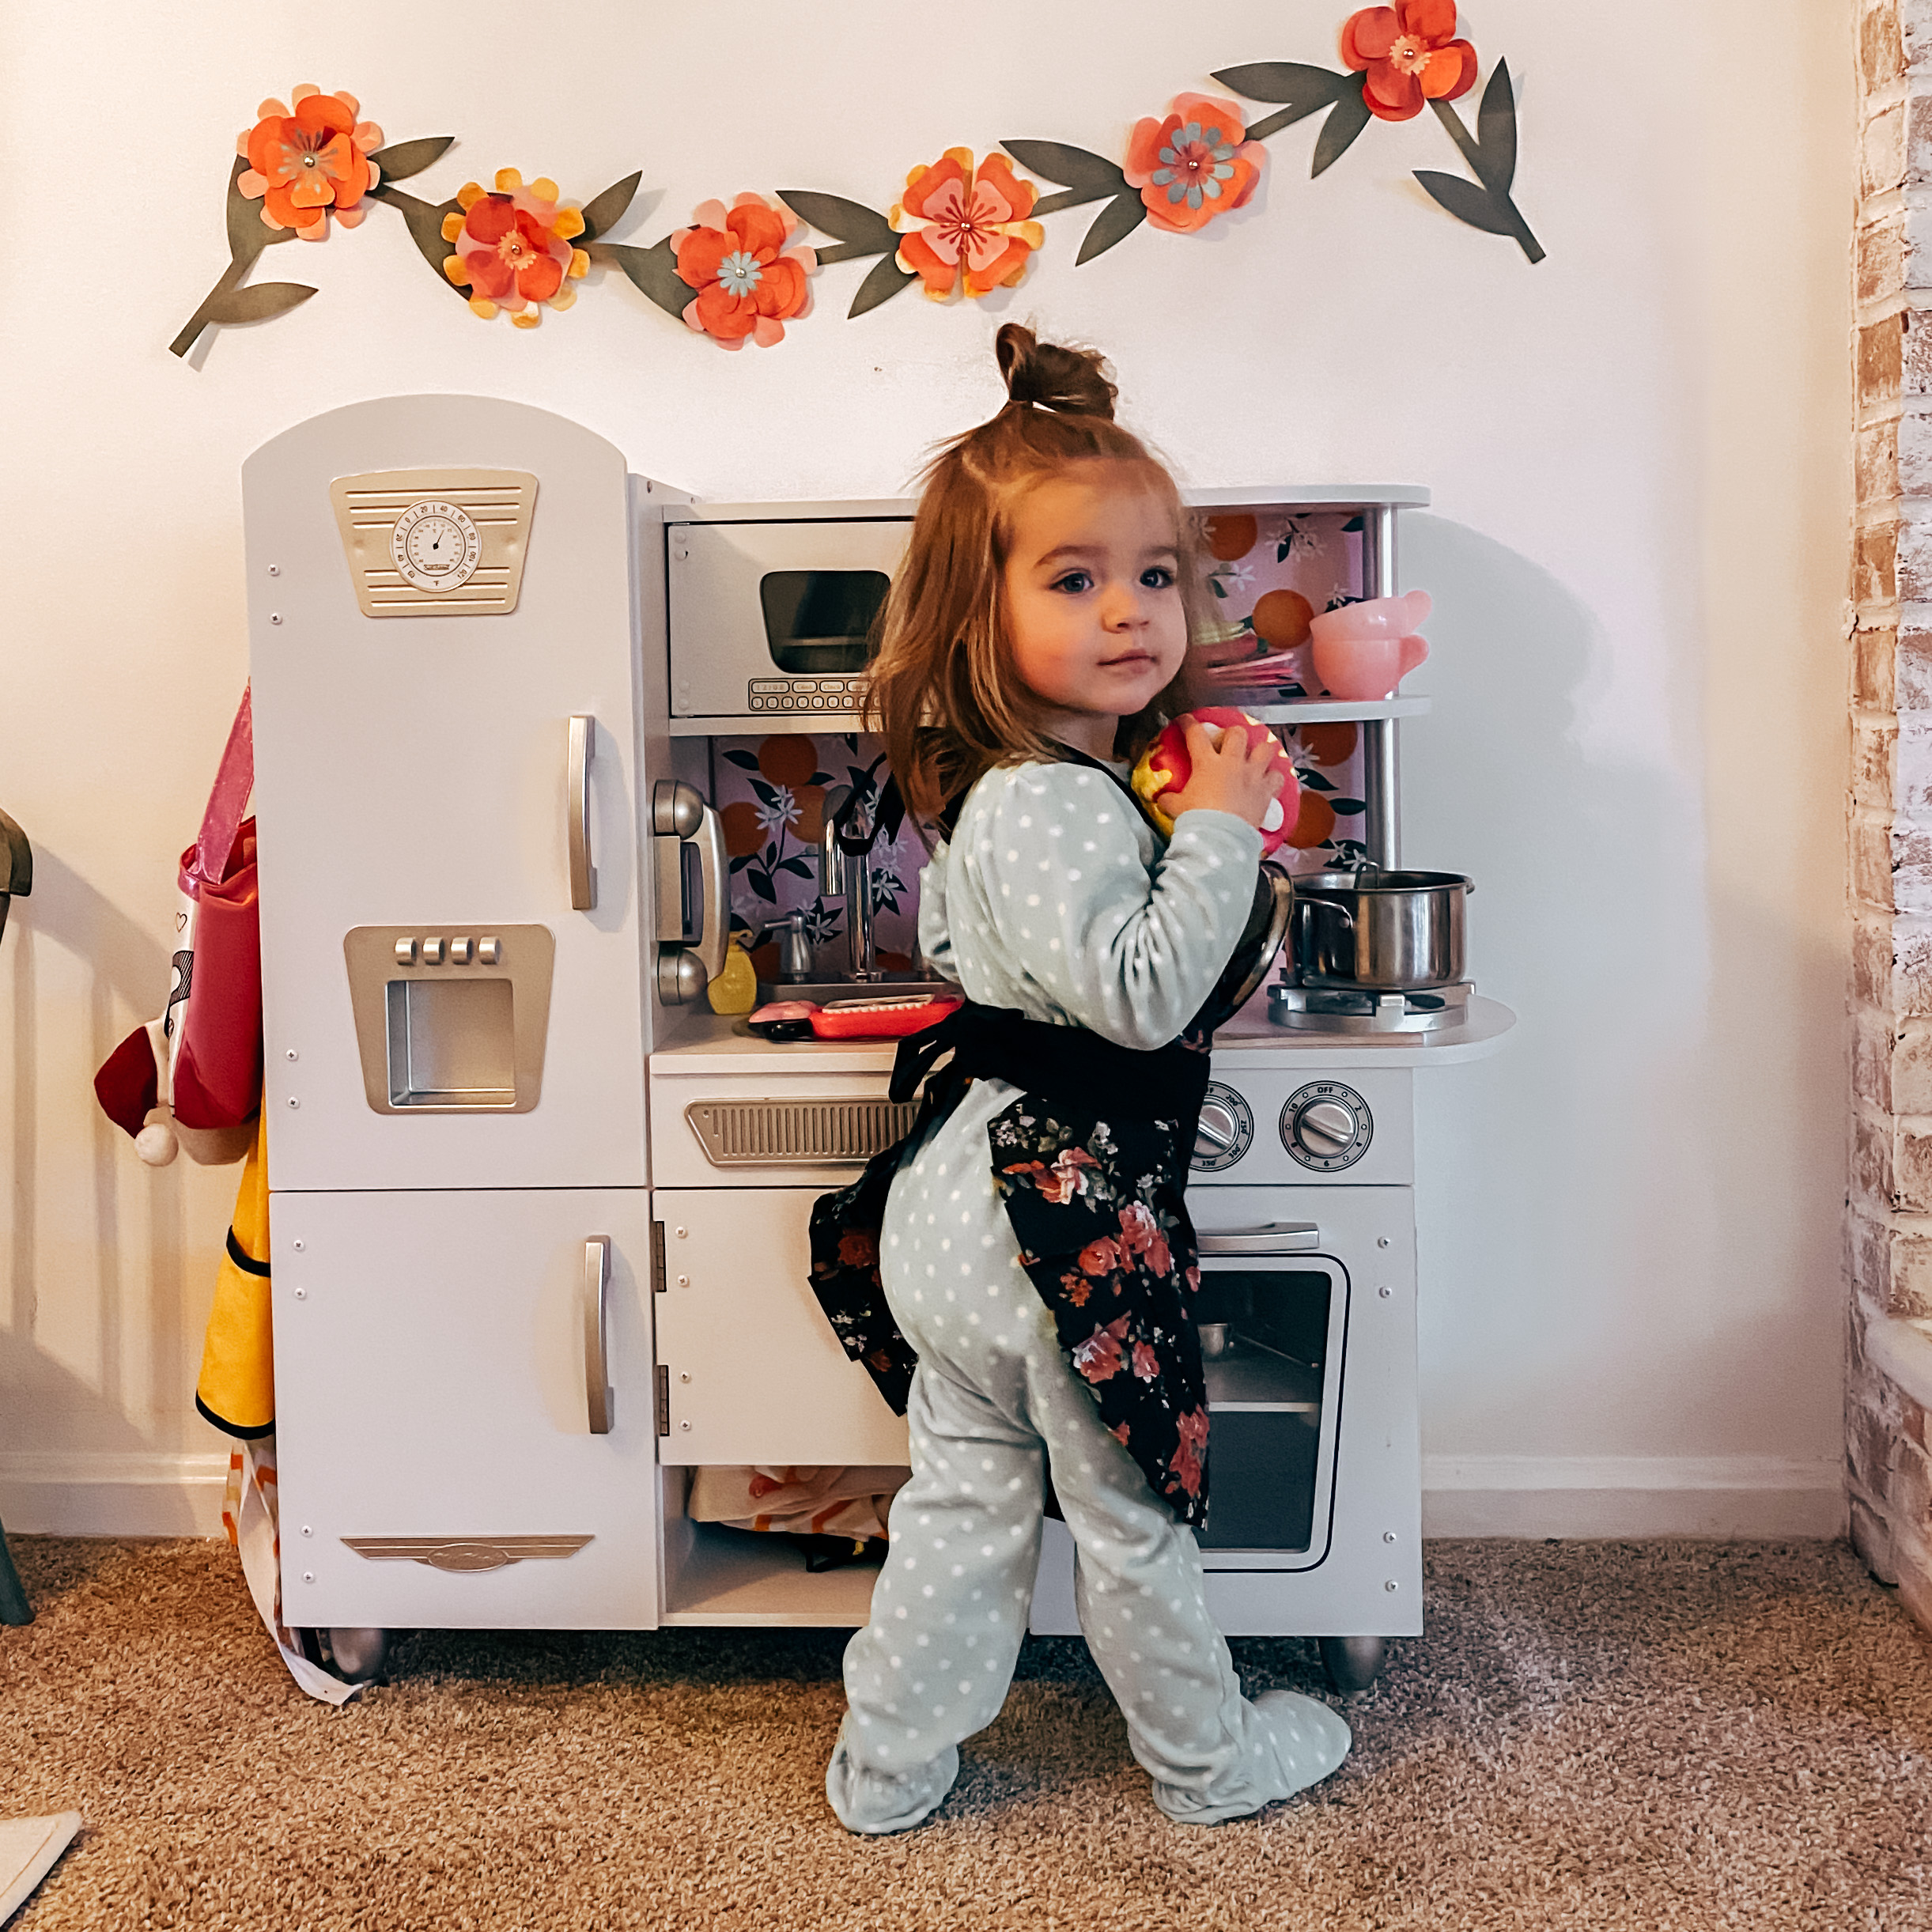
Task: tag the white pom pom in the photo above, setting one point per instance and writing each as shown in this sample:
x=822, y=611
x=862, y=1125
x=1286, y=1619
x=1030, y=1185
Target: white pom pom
x=155, y=1144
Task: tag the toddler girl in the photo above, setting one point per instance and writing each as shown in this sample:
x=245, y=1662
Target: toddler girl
x=1034, y=1257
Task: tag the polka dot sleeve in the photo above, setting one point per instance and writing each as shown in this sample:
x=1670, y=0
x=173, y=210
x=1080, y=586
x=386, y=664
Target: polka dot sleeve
x=1058, y=886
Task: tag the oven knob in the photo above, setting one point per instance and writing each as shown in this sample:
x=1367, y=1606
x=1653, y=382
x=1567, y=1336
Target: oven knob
x=1225, y=1131
x=1326, y=1126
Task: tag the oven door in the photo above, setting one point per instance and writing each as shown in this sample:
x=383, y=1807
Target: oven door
x=1272, y=1314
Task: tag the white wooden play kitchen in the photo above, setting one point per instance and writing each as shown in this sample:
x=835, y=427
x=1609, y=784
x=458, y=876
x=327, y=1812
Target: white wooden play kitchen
x=538, y=1217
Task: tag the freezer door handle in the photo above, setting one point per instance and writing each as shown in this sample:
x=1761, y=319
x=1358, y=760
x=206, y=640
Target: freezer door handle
x=1271, y=1237
x=583, y=874
x=596, y=1314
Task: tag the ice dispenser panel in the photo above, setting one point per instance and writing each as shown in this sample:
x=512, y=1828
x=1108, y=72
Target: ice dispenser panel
x=451, y=1021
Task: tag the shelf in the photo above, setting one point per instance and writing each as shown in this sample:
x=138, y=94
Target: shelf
x=738, y=1576
x=1260, y=1381
x=1314, y=710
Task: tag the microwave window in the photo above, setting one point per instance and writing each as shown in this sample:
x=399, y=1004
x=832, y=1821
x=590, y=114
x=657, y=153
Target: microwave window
x=820, y=621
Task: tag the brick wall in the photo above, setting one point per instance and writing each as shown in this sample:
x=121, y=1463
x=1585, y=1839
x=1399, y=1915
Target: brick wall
x=1889, y=1220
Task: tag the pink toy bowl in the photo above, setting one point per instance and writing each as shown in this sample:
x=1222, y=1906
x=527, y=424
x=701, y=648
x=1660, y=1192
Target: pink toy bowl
x=1363, y=651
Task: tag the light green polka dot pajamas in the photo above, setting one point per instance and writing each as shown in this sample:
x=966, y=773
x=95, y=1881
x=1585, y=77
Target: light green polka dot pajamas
x=1053, y=896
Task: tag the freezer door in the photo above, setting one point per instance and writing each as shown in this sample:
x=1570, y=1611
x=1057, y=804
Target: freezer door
x=432, y=817
x=451, y=1454
x=753, y=1372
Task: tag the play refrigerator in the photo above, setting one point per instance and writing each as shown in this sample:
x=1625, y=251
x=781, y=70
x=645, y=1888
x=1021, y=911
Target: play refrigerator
x=460, y=953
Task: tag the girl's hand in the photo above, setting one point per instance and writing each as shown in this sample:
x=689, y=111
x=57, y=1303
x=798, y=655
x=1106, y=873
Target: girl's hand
x=1235, y=776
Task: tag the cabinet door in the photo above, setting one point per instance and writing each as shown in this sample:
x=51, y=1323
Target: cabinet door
x=419, y=774
x=755, y=1374
x=432, y=1381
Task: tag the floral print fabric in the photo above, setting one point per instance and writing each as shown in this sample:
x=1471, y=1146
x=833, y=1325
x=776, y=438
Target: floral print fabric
x=1104, y=1236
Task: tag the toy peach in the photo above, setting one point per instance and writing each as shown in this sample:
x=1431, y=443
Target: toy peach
x=1365, y=650
x=1166, y=766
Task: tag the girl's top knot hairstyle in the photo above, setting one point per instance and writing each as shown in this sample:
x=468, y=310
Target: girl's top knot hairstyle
x=943, y=691
x=1072, y=381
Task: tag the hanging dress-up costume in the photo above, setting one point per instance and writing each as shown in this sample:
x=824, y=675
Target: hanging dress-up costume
x=1034, y=1259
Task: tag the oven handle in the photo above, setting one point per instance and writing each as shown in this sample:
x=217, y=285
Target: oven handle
x=1272, y=1237
x=596, y=1318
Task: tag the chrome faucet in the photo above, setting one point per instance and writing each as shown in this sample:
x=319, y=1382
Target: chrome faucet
x=845, y=871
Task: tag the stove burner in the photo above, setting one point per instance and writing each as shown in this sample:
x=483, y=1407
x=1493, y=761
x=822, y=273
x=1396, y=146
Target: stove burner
x=1330, y=1009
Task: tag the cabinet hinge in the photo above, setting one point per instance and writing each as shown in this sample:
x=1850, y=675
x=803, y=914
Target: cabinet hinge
x=657, y=1257
x=663, y=1399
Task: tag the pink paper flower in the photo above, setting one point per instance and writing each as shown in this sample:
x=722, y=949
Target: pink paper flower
x=966, y=227
x=306, y=160
x=1196, y=164
x=1409, y=54
x=749, y=284
x=513, y=248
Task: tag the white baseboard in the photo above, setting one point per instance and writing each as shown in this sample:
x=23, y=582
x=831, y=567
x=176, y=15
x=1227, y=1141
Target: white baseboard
x=72, y=1493
x=1744, y=1496
x=112, y=1493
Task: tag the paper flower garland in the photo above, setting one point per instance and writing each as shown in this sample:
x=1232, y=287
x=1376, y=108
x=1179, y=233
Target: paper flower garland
x=513, y=248
x=748, y=283
x=1196, y=164
x=737, y=274
x=966, y=227
x=303, y=163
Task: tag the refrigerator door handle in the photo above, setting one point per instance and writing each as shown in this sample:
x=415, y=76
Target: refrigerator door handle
x=596, y=1315
x=583, y=874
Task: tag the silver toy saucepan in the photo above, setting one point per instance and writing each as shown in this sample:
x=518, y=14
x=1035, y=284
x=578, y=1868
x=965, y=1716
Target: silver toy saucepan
x=1376, y=932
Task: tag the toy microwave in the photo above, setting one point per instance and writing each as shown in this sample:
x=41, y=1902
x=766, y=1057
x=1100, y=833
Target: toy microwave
x=773, y=609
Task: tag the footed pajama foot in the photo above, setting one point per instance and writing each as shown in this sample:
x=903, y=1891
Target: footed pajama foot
x=877, y=1801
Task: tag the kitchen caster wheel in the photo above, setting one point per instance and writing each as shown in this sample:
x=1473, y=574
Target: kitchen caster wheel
x=1353, y=1663
x=357, y=1655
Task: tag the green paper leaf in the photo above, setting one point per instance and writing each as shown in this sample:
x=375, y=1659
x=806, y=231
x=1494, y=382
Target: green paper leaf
x=411, y=157
x=257, y=304
x=1314, y=781
x=1467, y=201
x=248, y=233
x=1303, y=90
x=1088, y=177
x=425, y=220
x=604, y=211
x=743, y=760
x=1348, y=807
x=1338, y=131
x=1495, y=132
x=654, y=271
x=886, y=281
x=1115, y=222
x=863, y=230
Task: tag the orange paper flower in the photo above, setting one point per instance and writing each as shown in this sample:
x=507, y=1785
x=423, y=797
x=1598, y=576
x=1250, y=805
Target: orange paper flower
x=1196, y=164
x=305, y=161
x=1410, y=55
x=513, y=248
x=964, y=226
x=748, y=282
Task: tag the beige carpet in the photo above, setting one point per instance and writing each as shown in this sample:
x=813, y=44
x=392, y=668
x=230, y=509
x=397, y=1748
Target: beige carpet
x=1591, y=1735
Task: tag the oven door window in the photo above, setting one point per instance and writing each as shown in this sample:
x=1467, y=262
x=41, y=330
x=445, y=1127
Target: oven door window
x=1273, y=1331
x=819, y=622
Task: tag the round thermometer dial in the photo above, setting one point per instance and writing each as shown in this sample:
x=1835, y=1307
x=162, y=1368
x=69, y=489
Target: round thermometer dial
x=435, y=546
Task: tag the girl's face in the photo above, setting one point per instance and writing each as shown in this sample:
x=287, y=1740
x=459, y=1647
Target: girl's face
x=1093, y=601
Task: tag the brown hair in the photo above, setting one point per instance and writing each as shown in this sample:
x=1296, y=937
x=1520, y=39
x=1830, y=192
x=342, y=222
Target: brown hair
x=943, y=691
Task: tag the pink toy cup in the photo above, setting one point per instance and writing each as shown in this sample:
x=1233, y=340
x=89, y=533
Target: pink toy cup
x=1363, y=651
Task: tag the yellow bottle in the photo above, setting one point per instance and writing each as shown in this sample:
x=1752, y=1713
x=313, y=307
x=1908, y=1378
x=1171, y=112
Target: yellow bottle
x=734, y=990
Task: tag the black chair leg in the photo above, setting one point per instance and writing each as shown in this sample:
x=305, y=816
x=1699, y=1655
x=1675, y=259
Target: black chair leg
x=14, y=1608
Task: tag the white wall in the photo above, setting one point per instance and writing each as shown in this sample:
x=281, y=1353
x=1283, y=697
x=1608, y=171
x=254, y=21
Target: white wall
x=1638, y=450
